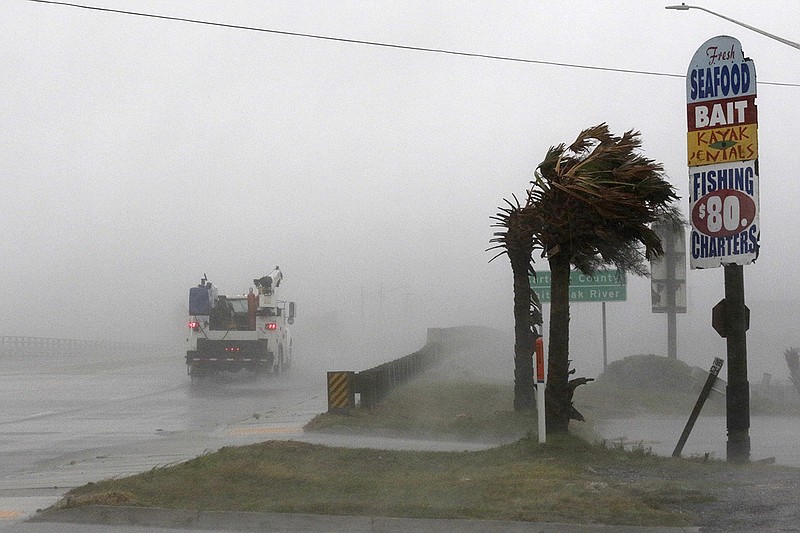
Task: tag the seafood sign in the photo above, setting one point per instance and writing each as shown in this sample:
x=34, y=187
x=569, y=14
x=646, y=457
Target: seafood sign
x=722, y=153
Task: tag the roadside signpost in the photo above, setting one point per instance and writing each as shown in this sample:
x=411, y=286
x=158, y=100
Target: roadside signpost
x=603, y=286
x=668, y=272
x=540, y=386
x=698, y=406
x=668, y=280
x=722, y=146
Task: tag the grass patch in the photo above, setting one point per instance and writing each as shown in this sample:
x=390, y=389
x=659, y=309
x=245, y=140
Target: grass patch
x=566, y=480
x=427, y=408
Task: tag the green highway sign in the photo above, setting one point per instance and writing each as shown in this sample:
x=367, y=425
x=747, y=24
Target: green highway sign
x=602, y=286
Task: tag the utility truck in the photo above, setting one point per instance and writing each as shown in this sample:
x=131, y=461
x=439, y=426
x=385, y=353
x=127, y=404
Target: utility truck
x=242, y=332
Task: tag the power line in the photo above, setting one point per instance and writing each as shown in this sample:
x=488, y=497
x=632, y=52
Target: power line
x=380, y=44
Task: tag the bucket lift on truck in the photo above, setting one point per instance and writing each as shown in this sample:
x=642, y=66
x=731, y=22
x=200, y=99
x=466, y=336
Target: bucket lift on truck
x=242, y=332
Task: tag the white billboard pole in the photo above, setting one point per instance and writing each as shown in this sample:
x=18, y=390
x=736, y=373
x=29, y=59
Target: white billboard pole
x=540, y=385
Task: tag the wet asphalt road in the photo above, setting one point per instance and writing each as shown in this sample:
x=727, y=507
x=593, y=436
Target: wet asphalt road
x=65, y=422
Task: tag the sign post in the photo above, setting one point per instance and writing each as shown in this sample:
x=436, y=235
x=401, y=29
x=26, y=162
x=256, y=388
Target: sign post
x=668, y=280
x=698, y=406
x=540, y=386
x=722, y=143
x=602, y=286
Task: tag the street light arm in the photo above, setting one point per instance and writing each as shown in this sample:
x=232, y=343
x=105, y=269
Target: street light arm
x=684, y=7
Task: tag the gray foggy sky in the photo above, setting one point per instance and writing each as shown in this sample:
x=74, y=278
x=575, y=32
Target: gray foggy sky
x=137, y=154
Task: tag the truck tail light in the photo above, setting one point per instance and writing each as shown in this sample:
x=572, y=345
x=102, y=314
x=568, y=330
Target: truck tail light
x=194, y=325
x=272, y=325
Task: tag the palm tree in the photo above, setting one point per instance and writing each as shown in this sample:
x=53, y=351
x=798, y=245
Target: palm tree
x=590, y=205
x=517, y=241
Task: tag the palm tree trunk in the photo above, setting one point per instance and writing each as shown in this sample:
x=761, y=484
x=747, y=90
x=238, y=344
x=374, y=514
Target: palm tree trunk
x=523, y=338
x=558, y=393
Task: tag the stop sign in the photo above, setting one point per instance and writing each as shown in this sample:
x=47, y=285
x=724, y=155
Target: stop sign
x=718, y=321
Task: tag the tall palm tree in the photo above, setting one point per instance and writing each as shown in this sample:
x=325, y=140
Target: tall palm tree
x=516, y=240
x=589, y=205
x=592, y=203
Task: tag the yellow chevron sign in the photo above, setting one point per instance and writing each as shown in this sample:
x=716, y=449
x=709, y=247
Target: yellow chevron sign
x=341, y=393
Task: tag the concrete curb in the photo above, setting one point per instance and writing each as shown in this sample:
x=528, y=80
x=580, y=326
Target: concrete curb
x=290, y=522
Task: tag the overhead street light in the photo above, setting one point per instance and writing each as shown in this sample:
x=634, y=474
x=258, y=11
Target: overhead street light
x=684, y=7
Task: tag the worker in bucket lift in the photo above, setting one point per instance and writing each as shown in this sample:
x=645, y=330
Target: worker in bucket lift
x=252, y=306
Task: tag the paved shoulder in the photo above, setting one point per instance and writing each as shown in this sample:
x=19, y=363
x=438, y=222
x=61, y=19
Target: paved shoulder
x=123, y=518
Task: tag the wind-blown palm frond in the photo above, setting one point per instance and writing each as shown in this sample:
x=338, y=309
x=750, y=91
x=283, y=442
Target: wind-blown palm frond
x=595, y=199
x=517, y=234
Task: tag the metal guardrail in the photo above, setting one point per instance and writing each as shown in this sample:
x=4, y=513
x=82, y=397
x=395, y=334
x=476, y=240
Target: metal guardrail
x=374, y=384
x=44, y=346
